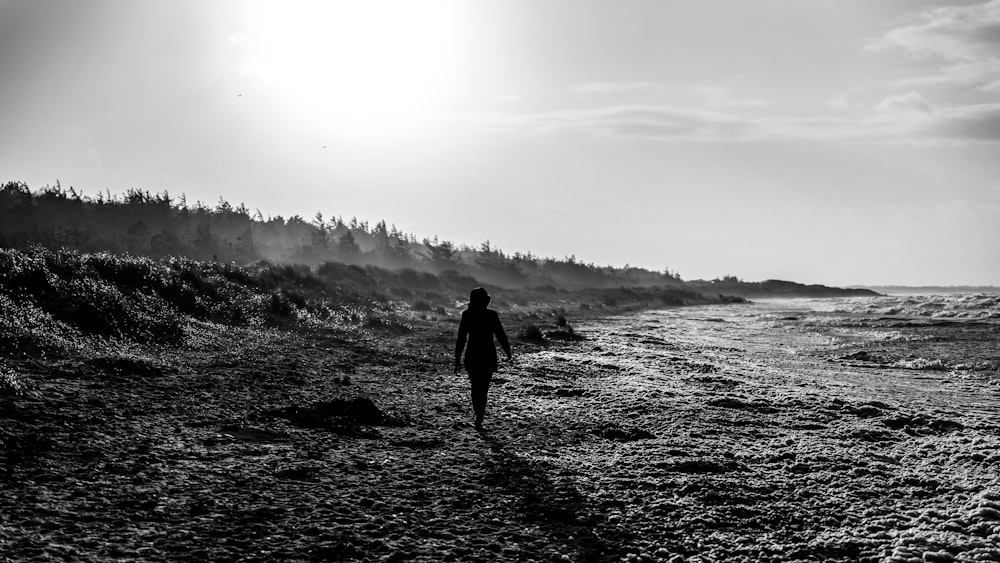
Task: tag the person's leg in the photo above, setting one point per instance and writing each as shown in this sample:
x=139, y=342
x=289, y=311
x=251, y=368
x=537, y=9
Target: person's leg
x=480, y=387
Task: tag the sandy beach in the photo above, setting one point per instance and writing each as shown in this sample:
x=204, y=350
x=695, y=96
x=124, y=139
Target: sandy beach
x=755, y=432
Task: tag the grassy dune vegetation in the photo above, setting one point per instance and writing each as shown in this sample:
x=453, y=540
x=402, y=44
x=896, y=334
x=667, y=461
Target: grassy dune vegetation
x=68, y=300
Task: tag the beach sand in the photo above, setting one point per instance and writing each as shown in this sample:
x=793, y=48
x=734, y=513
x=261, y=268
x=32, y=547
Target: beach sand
x=696, y=434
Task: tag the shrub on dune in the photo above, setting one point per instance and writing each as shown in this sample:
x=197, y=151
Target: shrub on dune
x=101, y=308
x=86, y=292
x=126, y=272
x=22, y=272
x=26, y=329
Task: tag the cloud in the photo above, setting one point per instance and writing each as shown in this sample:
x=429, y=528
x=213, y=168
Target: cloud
x=966, y=210
x=649, y=122
x=614, y=87
x=839, y=101
x=965, y=40
x=981, y=75
x=911, y=101
x=906, y=118
x=967, y=123
x=720, y=96
x=903, y=119
x=963, y=33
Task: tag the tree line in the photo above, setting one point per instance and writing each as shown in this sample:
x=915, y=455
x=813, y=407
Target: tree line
x=158, y=225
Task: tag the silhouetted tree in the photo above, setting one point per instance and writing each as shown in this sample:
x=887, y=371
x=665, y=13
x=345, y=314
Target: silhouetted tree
x=137, y=238
x=206, y=247
x=443, y=255
x=165, y=243
x=347, y=248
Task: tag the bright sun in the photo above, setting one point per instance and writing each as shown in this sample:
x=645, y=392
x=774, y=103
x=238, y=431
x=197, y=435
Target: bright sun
x=369, y=68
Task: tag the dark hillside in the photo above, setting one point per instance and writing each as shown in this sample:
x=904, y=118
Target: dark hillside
x=158, y=226
x=730, y=285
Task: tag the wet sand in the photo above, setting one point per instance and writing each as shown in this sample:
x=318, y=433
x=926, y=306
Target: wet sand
x=725, y=433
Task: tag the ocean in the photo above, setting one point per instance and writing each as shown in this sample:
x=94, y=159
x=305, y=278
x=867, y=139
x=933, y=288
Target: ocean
x=837, y=429
x=941, y=350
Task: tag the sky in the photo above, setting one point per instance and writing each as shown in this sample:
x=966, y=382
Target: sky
x=842, y=142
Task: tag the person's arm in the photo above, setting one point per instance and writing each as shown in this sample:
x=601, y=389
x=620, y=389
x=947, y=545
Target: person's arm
x=463, y=335
x=502, y=337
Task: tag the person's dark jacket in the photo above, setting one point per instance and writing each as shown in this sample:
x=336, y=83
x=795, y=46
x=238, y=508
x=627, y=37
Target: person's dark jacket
x=479, y=325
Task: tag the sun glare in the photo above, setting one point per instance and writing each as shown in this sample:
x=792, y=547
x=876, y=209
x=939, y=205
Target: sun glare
x=371, y=68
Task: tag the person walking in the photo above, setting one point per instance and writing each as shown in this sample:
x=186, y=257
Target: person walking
x=478, y=327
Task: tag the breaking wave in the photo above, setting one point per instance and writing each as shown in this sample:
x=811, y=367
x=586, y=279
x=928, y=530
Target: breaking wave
x=958, y=306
